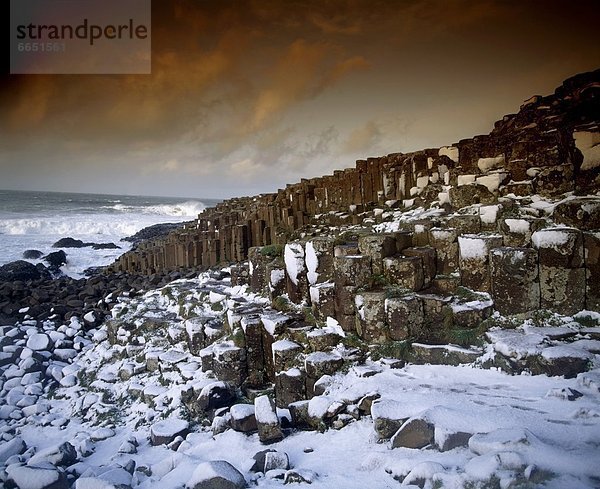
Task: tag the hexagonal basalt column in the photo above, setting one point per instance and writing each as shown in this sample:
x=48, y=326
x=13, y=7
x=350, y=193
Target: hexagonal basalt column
x=371, y=317
x=592, y=268
x=319, y=260
x=378, y=247
x=322, y=298
x=352, y=270
x=428, y=259
x=515, y=280
x=446, y=248
x=474, y=259
x=295, y=267
x=404, y=316
x=404, y=271
x=562, y=272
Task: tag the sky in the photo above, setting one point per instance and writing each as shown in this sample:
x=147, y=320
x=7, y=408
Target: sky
x=245, y=97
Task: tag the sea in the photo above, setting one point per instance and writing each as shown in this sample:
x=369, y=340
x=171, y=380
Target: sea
x=36, y=220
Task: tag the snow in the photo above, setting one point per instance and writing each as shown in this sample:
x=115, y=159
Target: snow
x=551, y=238
x=488, y=213
x=294, y=261
x=465, y=179
x=518, y=226
x=32, y=477
x=487, y=164
x=472, y=246
x=493, y=406
x=491, y=181
x=264, y=411
x=276, y=277
x=169, y=427
x=282, y=345
x=38, y=342
x=589, y=144
x=312, y=263
x=218, y=468
x=449, y=151
x=241, y=411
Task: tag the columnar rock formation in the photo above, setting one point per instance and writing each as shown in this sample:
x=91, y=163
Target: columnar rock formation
x=549, y=147
x=384, y=246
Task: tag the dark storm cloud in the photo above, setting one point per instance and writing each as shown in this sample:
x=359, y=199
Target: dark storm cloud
x=245, y=96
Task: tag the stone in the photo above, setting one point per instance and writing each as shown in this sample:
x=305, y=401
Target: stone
x=437, y=317
x=458, y=439
x=465, y=195
x=59, y=455
x=371, y=316
x=404, y=317
x=414, y=433
x=276, y=460
x=299, y=413
x=592, y=271
x=296, y=476
x=388, y=416
x=275, y=275
x=56, y=259
x=45, y=477
x=428, y=259
x=366, y=402
x=561, y=269
x=229, y=362
x=269, y=428
x=165, y=431
x=444, y=241
x=352, y=270
x=215, y=395
x=32, y=254
x=252, y=327
x=290, y=387
x=319, y=259
x=19, y=270
x=216, y=474
x=404, y=272
x=474, y=261
x=580, y=212
x=322, y=298
x=378, y=247
x=243, y=418
x=296, y=273
x=515, y=280
x=318, y=364
x=258, y=262
x=194, y=329
x=443, y=354
x=285, y=354
x=16, y=446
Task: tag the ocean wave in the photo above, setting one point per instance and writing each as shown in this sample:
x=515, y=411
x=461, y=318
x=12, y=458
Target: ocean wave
x=190, y=208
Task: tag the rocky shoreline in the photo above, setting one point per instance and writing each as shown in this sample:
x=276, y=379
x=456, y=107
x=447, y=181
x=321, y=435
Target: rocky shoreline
x=42, y=292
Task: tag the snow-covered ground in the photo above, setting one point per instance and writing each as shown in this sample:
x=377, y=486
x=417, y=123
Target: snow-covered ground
x=113, y=399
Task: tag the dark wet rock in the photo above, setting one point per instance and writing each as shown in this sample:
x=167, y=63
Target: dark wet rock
x=70, y=243
x=105, y=246
x=32, y=254
x=153, y=232
x=56, y=259
x=19, y=270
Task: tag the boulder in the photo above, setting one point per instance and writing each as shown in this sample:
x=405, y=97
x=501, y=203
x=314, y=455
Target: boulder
x=290, y=386
x=404, y=317
x=215, y=395
x=19, y=270
x=63, y=455
x=269, y=429
x=167, y=430
x=216, y=474
x=388, y=416
x=70, y=243
x=414, y=433
x=514, y=280
x=32, y=254
x=45, y=477
x=56, y=259
x=243, y=418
